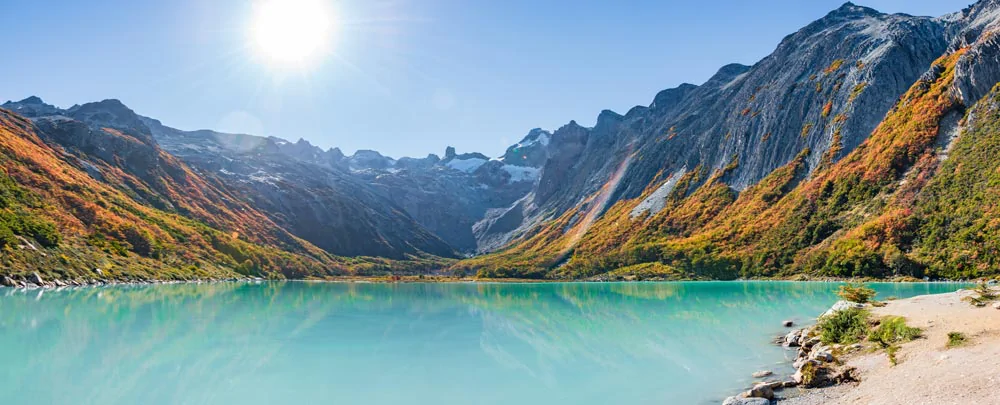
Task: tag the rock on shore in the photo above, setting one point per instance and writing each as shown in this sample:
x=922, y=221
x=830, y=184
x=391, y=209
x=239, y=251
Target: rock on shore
x=815, y=363
x=928, y=371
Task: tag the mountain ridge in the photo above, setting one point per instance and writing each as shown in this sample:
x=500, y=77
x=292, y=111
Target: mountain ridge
x=623, y=234
x=850, y=116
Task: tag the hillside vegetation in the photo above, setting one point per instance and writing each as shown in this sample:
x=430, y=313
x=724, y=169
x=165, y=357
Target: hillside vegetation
x=72, y=219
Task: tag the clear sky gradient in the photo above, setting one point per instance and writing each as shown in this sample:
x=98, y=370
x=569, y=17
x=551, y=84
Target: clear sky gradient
x=406, y=77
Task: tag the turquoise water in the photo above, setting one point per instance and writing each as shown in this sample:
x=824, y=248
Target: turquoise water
x=572, y=343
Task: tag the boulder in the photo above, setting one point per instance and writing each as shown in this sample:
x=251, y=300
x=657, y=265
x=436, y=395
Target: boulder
x=792, y=338
x=846, y=374
x=789, y=384
x=842, y=306
x=799, y=377
x=7, y=282
x=996, y=305
x=821, y=355
x=773, y=385
x=814, y=374
x=760, y=391
x=788, y=324
x=745, y=401
x=801, y=361
x=813, y=341
x=762, y=374
x=35, y=278
x=800, y=369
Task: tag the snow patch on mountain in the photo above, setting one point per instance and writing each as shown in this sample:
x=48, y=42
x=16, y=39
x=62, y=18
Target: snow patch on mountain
x=521, y=173
x=466, y=165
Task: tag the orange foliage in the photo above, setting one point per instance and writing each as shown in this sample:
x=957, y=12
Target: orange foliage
x=835, y=66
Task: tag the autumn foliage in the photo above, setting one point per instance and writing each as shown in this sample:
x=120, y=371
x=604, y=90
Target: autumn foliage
x=853, y=216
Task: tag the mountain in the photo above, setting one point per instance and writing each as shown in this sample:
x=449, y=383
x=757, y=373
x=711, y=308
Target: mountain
x=306, y=191
x=73, y=217
x=848, y=67
x=312, y=191
x=824, y=158
x=88, y=193
x=860, y=147
x=365, y=204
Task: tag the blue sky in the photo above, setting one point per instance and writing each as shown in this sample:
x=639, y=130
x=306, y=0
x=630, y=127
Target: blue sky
x=407, y=77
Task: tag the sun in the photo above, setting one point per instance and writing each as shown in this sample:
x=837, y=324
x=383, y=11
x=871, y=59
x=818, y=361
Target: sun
x=291, y=33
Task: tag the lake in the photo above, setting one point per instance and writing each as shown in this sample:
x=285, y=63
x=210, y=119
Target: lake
x=359, y=343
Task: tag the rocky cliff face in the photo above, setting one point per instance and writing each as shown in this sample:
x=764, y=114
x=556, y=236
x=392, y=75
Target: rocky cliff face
x=827, y=85
x=781, y=166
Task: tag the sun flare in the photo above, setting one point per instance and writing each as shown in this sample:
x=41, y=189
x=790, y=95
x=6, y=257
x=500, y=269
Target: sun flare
x=291, y=33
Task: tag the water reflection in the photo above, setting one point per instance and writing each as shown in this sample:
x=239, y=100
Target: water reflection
x=399, y=343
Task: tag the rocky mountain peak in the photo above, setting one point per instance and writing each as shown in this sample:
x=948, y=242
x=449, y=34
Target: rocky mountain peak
x=851, y=10
x=669, y=97
x=33, y=100
x=367, y=153
x=32, y=107
x=532, y=151
x=608, y=116
x=114, y=114
x=535, y=136
x=365, y=159
x=336, y=153
x=571, y=126
x=449, y=152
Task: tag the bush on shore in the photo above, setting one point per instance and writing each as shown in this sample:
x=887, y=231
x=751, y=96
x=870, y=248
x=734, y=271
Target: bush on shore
x=891, y=331
x=856, y=293
x=956, y=339
x=844, y=327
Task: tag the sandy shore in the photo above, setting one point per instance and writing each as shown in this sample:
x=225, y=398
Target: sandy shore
x=928, y=372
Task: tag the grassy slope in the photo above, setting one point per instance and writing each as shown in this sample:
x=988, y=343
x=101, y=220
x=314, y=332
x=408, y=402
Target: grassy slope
x=882, y=210
x=57, y=220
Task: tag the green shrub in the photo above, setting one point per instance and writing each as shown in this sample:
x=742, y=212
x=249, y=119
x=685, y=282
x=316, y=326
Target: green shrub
x=856, y=293
x=809, y=372
x=985, y=292
x=892, y=331
x=24, y=223
x=43, y=232
x=844, y=327
x=956, y=339
x=984, y=295
x=7, y=237
x=890, y=352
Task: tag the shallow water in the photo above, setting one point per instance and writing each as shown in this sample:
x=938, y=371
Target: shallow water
x=565, y=343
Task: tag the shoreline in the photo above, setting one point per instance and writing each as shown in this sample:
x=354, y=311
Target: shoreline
x=928, y=369
x=35, y=281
